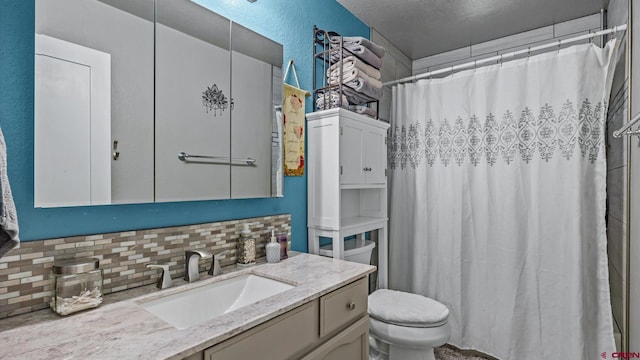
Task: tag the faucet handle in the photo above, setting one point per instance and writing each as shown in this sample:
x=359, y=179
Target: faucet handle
x=203, y=253
x=164, y=281
x=215, y=269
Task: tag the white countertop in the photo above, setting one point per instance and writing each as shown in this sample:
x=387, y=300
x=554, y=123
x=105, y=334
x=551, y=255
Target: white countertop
x=123, y=330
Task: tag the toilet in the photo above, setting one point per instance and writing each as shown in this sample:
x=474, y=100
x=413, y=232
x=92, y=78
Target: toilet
x=405, y=326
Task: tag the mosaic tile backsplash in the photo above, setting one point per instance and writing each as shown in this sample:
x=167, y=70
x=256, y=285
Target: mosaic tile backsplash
x=24, y=272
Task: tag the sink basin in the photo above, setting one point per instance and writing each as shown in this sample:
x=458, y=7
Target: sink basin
x=203, y=303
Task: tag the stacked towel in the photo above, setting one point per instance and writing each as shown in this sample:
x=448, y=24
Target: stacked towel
x=358, y=68
x=331, y=100
x=351, y=62
x=354, y=74
x=361, y=52
x=366, y=50
x=358, y=40
x=362, y=86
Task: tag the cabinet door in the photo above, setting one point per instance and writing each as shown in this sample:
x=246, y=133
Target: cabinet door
x=375, y=153
x=351, y=156
x=352, y=344
x=284, y=337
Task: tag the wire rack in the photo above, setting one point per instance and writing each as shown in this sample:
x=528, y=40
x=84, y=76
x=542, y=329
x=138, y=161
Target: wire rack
x=328, y=49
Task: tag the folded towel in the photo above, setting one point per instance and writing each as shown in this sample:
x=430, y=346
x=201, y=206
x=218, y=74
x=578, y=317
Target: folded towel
x=351, y=62
x=357, y=98
x=8, y=218
x=361, y=109
x=360, y=51
x=331, y=100
x=353, y=74
x=360, y=85
x=358, y=40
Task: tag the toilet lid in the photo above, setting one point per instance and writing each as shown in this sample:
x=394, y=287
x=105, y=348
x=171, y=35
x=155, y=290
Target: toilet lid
x=406, y=309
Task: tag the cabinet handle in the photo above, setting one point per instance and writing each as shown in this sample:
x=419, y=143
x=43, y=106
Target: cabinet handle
x=351, y=306
x=367, y=169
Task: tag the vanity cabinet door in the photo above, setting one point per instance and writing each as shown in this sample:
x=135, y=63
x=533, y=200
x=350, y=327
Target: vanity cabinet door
x=285, y=337
x=352, y=344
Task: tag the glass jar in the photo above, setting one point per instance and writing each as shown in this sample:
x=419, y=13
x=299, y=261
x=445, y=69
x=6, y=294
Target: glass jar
x=77, y=285
x=246, y=251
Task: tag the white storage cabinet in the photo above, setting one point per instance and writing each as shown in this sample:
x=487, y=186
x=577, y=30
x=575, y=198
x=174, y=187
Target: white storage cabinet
x=347, y=181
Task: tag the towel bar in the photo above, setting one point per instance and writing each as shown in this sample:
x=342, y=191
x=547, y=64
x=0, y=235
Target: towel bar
x=183, y=156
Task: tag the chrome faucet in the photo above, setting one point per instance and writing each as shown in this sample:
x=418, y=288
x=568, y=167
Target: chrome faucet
x=191, y=259
x=215, y=266
x=164, y=281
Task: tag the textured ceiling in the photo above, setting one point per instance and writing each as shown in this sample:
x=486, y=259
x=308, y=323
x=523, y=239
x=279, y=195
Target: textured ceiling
x=421, y=28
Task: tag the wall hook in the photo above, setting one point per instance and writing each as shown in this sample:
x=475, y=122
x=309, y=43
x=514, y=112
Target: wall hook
x=115, y=153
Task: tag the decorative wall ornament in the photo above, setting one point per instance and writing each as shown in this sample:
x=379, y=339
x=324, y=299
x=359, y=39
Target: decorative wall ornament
x=294, y=124
x=214, y=100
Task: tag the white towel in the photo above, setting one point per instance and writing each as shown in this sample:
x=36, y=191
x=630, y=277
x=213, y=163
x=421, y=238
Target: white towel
x=358, y=40
x=361, y=52
x=361, y=109
x=362, y=86
x=352, y=75
x=331, y=100
x=8, y=216
x=351, y=62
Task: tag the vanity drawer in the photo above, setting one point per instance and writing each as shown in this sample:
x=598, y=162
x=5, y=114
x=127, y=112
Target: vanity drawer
x=341, y=307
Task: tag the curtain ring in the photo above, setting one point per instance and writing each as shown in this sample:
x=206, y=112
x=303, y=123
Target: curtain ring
x=451, y=70
x=475, y=65
x=501, y=55
x=529, y=52
x=559, y=43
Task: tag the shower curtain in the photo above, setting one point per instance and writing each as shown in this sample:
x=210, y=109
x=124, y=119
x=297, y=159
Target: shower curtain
x=497, y=203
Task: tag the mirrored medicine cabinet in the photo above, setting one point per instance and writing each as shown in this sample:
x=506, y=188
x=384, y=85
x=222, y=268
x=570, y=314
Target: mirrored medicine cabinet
x=152, y=101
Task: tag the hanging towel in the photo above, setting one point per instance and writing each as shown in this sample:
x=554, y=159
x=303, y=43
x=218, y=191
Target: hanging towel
x=361, y=52
x=358, y=40
x=8, y=217
x=352, y=75
x=351, y=62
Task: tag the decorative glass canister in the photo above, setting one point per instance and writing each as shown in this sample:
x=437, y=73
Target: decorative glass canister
x=246, y=247
x=77, y=285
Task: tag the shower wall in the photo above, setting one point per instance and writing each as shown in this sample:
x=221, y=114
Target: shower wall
x=617, y=176
x=617, y=199
x=543, y=35
x=395, y=65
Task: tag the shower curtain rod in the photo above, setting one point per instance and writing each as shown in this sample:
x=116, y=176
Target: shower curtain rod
x=502, y=57
x=623, y=130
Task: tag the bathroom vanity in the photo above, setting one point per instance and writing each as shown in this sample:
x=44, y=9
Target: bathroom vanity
x=323, y=316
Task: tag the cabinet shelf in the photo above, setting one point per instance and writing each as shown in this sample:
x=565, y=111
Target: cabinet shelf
x=356, y=222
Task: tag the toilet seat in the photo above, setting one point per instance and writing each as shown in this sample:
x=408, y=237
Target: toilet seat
x=406, y=309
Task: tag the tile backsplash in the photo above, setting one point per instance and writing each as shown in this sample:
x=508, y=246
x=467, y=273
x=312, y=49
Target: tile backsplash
x=24, y=272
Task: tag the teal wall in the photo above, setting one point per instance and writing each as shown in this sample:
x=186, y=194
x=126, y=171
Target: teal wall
x=289, y=22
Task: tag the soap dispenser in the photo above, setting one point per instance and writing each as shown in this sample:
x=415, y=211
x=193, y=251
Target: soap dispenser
x=273, y=249
x=246, y=247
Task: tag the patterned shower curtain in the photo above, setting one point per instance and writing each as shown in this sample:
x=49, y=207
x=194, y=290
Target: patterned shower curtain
x=497, y=203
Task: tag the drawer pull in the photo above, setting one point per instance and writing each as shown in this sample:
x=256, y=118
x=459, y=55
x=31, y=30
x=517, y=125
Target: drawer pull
x=351, y=306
